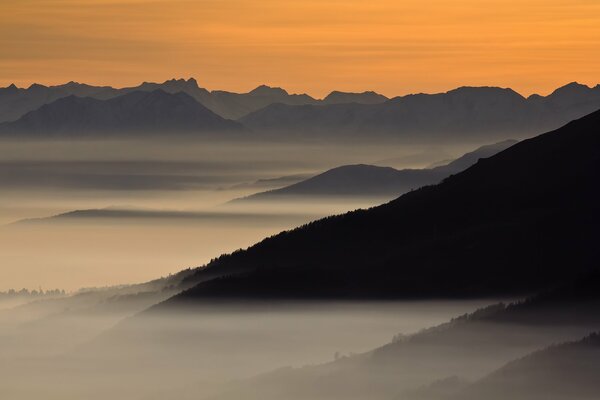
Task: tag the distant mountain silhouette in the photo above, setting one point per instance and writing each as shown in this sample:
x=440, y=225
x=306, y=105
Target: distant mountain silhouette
x=236, y=105
x=336, y=97
x=486, y=113
x=512, y=223
x=375, y=181
x=110, y=214
x=16, y=102
x=133, y=113
x=466, y=112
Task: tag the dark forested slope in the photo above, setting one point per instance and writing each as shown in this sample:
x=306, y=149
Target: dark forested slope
x=515, y=222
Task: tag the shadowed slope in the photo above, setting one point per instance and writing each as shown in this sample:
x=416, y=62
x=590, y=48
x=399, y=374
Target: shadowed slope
x=561, y=372
x=514, y=222
x=370, y=180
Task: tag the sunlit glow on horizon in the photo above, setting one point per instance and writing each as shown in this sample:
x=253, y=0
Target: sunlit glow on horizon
x=393, y=47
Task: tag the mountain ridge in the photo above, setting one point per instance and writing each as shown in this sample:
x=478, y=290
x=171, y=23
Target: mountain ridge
x=132, y=113
x=465, y=112
x=374, y=180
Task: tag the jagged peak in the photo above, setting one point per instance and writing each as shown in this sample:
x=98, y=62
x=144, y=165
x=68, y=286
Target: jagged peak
x=10, y=88
x=181, y=82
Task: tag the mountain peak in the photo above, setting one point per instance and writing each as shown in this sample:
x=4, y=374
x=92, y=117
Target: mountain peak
x=368, y=97
x=571, y=88
x=10, y=90
x=36, y=86
x=488, y=90
x=182, y=83
x=264, y=90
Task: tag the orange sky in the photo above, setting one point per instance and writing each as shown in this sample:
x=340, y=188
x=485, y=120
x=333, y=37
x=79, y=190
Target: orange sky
x=314, y=46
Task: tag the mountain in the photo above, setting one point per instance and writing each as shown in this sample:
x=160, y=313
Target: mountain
x=466, y=112
x=228, y=104
x=375, y=181
x=133, y=113
x=16, y=102
x=561, y=372
x=511, y=223
x=236, y=105
x=131, y=215
x=482, y=113
x=370, y=97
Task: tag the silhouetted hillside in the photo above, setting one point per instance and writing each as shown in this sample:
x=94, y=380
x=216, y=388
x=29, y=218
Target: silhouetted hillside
x=562, y=372
x=133, y=113
x=463, y=350
x=466, y=112
x=514, y=222
x=451, y=355
x=369, y=180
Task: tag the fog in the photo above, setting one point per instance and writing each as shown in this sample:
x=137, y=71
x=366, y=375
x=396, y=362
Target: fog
x=175, y=191
x=100, y=345
x=97, y=352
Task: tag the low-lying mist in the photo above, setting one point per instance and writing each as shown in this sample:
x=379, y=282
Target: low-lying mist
x=99, y=347
x=177, y=194
x=93, y=353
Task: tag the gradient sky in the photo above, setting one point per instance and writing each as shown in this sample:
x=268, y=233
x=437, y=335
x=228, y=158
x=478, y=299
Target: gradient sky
x=314, y=46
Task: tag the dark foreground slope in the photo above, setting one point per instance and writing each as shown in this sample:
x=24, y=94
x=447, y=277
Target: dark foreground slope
x=132, y=113
x=373, y=181
x=515, y=222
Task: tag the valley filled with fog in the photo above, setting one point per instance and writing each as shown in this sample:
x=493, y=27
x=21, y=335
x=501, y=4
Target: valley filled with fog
x=181, y=189
x=96, y=220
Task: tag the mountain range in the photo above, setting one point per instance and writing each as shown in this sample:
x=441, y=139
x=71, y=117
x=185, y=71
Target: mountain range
x=16, y=102
x=137, y=112
x=374, y=181
x=471, y=113
x=466, y=112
